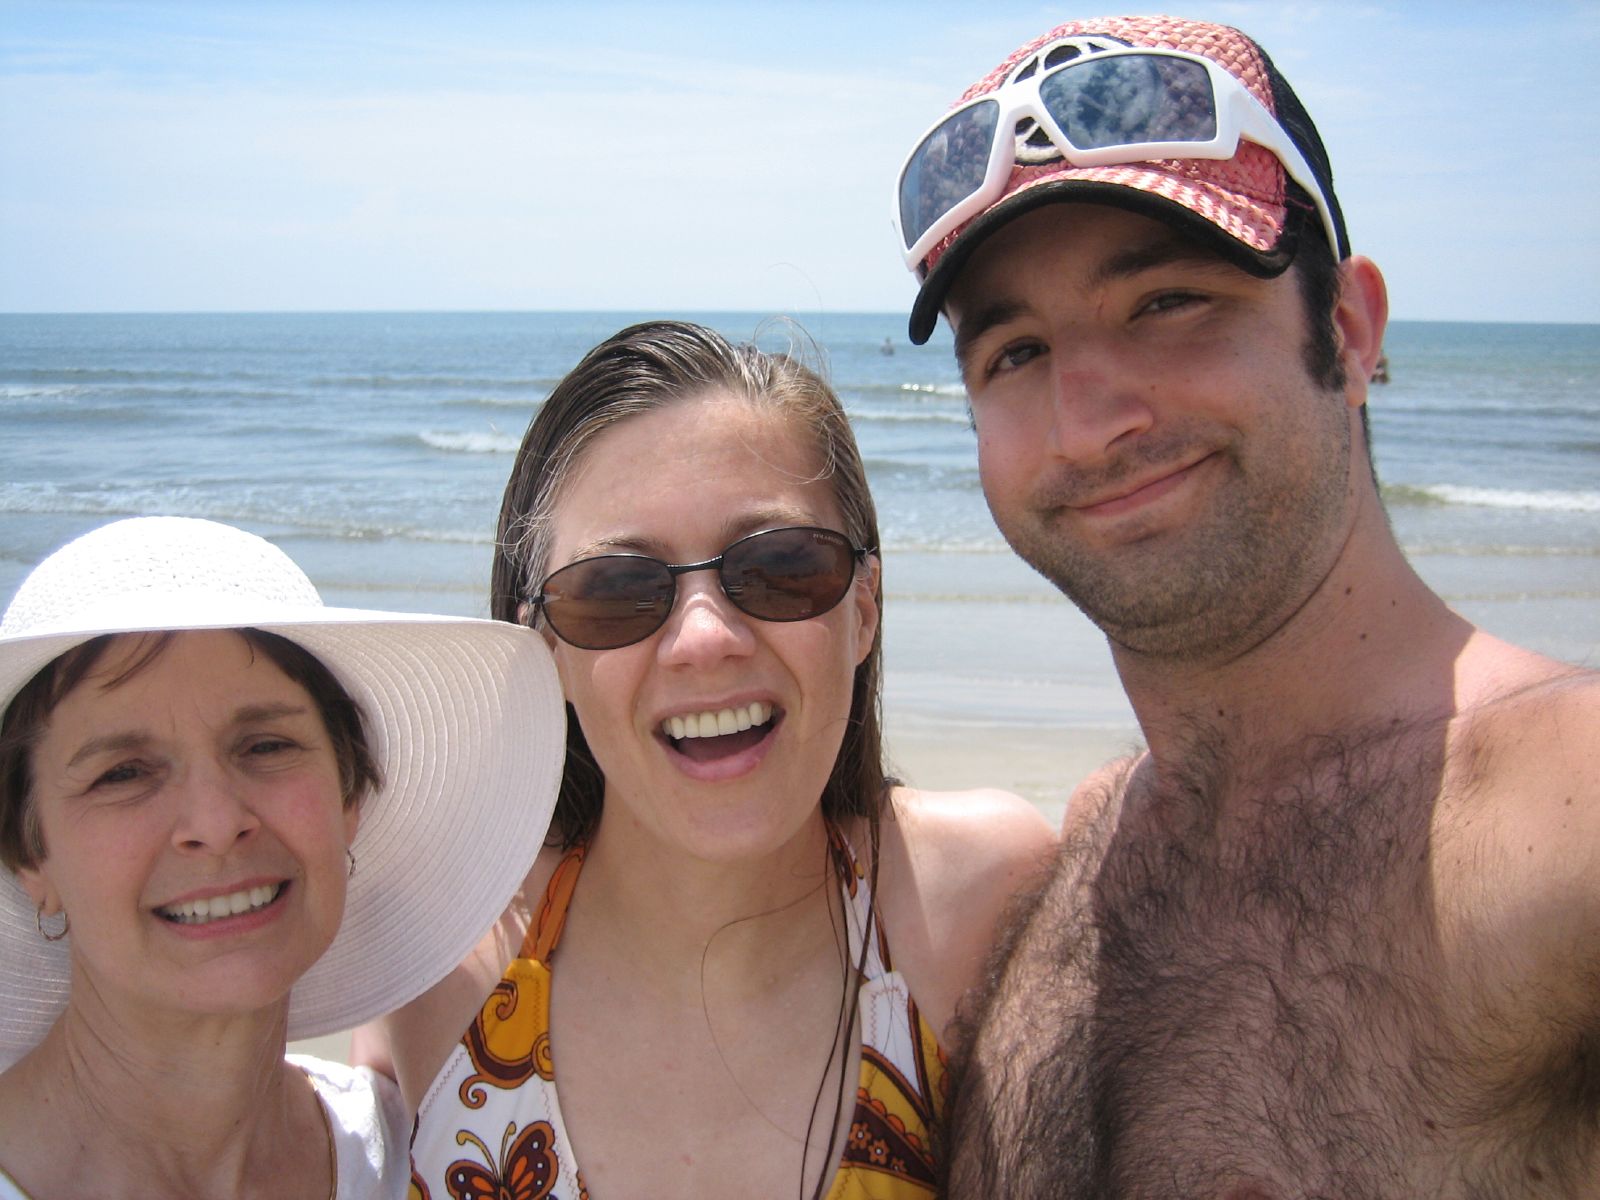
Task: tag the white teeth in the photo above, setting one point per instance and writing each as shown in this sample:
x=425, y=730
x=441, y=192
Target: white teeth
x=718, y=723
x=199, y=912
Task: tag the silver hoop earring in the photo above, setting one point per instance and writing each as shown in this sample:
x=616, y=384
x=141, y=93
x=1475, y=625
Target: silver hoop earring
x=351, y=855
x=38, y=921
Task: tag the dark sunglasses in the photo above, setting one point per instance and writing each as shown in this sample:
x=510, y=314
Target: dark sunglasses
x=615, y=600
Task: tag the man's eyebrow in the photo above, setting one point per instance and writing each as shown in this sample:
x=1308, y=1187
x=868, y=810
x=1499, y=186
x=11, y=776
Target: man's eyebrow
x=1163, y=250
x=1147, y=256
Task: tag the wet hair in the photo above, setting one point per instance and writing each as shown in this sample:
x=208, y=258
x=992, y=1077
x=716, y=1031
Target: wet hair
x=28, y=715
x=641, y=369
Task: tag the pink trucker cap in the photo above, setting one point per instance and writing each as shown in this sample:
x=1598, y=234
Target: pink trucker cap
x=1246, y=208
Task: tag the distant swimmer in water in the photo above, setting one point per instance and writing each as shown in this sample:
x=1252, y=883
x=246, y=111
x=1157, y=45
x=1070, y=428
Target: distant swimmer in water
x=887, y=347
x=1380, y=373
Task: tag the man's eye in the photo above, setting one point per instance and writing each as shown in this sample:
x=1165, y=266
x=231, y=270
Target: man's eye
x=1170, y=301
x=269, y=745
x=1017, y=355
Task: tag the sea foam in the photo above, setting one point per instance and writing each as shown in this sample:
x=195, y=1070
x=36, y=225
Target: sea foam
x=1540, y=501
x=471, y=443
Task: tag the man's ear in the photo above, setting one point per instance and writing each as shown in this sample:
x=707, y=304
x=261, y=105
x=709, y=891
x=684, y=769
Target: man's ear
x=1361, y=316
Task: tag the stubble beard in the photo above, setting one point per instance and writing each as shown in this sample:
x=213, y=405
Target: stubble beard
x=1214, y=588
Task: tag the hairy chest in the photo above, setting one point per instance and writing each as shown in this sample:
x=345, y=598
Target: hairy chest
x=1274, y=1014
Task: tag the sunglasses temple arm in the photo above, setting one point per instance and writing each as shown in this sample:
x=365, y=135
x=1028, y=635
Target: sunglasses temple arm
x=1259, y=126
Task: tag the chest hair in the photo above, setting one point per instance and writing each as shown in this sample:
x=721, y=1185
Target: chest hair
x=1233, y=987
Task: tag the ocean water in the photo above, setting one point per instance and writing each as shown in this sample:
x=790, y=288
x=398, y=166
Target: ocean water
x=374, y=447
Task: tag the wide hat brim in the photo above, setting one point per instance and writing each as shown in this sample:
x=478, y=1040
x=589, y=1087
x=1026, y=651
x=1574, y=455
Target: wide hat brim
x=466, y=720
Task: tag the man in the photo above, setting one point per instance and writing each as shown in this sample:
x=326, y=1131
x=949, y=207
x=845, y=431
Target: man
x=1337, y=932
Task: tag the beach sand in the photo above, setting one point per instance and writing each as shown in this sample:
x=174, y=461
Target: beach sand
x=992, y=679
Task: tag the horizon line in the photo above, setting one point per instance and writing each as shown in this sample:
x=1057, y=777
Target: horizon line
x=647, y=312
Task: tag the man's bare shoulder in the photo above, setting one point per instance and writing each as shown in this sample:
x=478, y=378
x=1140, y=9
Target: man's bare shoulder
x=1534, y=749
x=1523, y=828
x=1098, y=797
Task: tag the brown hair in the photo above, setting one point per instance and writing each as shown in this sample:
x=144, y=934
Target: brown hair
x=22, y=839
x=637, y=370
x=1319, y=278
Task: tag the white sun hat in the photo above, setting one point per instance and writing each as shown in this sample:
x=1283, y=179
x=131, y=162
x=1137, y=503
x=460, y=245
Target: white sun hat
x=464, y=719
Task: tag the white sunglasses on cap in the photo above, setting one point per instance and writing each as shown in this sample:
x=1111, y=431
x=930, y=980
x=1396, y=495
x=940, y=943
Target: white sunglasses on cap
x=1111, y=105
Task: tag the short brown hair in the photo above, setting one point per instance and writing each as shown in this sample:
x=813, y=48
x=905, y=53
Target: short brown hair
x=21, y=837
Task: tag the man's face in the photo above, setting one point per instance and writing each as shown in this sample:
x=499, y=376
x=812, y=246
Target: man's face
x=1148, y=436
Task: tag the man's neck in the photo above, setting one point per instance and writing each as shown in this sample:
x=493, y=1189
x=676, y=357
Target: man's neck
x=1372, y=644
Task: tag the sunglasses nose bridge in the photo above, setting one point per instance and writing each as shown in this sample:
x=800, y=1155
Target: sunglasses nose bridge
x=705, y=624
x=716, y=589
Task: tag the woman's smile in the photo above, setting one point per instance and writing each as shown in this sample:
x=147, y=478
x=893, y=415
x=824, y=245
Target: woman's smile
x=722, y=743
x=220, y=914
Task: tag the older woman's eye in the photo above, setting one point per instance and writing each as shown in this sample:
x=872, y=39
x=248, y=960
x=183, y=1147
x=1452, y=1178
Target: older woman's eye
x=266, y=746
x=128, y=772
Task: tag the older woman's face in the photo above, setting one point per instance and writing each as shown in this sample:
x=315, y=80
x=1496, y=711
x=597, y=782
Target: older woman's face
x=680, y=483
x=193, y=827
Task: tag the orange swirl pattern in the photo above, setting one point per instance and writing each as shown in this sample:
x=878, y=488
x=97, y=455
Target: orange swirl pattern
x=508, y=1041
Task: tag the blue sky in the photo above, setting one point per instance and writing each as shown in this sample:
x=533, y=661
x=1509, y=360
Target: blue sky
x=182, y=156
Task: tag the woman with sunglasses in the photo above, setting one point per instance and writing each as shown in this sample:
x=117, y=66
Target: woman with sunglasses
x=738, y=959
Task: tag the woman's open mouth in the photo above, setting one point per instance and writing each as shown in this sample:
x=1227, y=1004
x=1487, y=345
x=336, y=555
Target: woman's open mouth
x=717, y=733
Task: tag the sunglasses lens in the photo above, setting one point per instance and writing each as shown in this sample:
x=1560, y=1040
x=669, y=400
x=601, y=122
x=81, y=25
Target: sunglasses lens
x=602, y=603
x=948, y=167
x=788, y=574
x=1129, y=99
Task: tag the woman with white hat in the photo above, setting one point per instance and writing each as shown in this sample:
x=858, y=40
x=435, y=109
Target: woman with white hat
x=232, y=816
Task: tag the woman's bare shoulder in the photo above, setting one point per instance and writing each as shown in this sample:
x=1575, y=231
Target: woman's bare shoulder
x=968, y=832
x=951, y=862
x=413, y=1043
